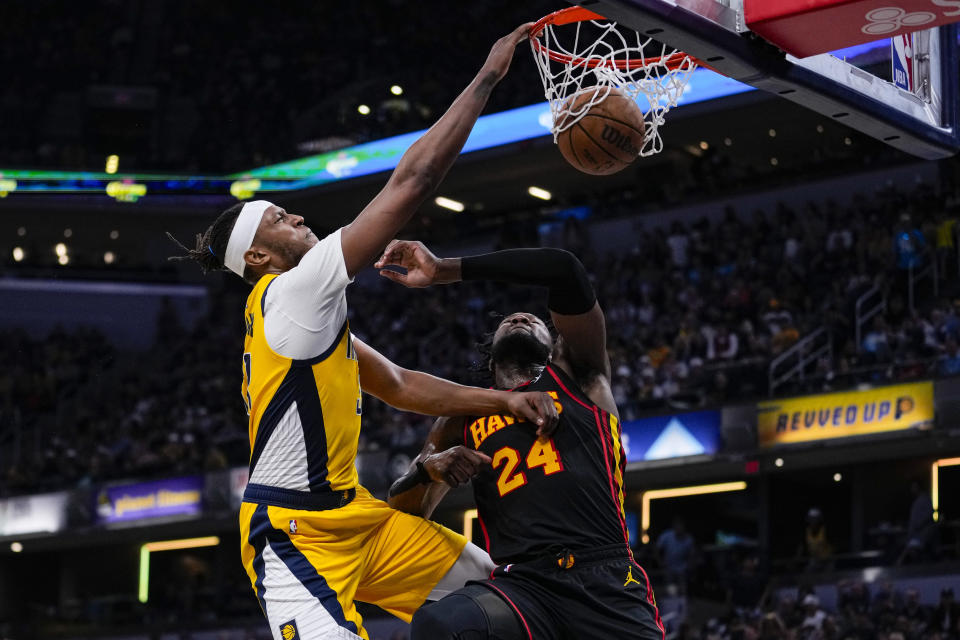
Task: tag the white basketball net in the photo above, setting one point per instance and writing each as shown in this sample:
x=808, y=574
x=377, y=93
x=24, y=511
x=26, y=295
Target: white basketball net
x=591, y=57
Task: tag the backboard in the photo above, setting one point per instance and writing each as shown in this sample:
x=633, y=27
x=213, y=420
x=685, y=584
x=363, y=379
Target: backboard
x=923, y=123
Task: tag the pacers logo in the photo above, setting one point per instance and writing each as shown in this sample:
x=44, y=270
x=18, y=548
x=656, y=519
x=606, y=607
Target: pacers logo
x=289, y=630
x=905, y=405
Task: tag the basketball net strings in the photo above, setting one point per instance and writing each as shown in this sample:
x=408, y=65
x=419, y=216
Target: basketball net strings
x=594, y=71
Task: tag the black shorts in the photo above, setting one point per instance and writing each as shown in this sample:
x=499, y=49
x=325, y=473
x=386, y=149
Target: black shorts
x=603, y=593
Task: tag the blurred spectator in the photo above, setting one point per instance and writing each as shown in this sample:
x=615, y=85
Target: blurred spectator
x=676, y=549
x=816, y=548
x=908, y=244
x=921, y=527
x=946, y=617
x=950, y=362
x=917, y=614
x=814, y=616
x=748, y=586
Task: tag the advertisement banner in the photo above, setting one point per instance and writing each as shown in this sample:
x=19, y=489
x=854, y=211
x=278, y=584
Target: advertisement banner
x=44, y=513
x=845, y=414
x=169, y=497
x=672, y=436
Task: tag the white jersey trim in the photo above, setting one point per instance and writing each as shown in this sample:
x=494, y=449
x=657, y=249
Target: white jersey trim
x=283, y=462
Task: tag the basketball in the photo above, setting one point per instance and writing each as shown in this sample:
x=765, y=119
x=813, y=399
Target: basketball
x=607, y=138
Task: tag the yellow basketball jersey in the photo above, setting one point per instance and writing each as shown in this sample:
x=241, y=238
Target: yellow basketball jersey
x=304, y=414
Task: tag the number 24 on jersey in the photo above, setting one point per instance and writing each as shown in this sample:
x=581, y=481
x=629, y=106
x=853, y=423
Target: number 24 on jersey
x=541, y=454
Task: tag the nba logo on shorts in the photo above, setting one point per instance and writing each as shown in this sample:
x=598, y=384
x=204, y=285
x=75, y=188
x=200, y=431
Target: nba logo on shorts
x=288, y=630
x=293, y=526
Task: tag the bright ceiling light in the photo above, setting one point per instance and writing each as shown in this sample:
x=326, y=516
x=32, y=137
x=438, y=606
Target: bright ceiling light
x=60, y=249
x=364, y=110
x=537, y=192
x=113, y=162
x=396, y=90
x=17, y=254
x=109, y=257
x=64, y=259
x=447, y=203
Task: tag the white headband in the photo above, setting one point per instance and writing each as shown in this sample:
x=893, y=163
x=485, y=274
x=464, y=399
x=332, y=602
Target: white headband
x=244, y=229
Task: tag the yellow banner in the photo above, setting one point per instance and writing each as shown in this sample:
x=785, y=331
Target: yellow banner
x=840, y=415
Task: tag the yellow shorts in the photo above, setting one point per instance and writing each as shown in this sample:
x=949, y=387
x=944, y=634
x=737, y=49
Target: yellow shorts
x=307, y=567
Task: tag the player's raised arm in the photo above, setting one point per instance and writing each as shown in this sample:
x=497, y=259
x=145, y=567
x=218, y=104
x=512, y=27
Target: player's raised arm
x=426, y=162
x=422, y=393
x=573, y=304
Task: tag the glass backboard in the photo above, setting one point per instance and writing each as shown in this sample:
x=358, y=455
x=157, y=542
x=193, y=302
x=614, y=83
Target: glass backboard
x=852, y=86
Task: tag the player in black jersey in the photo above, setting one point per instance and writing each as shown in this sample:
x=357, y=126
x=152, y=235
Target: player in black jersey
x=550, y=503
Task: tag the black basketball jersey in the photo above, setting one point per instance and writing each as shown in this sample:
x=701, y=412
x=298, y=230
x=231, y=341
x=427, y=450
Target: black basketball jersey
x=543, y=497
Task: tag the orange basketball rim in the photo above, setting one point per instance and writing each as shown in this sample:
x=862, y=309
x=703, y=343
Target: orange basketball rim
x=572, y=15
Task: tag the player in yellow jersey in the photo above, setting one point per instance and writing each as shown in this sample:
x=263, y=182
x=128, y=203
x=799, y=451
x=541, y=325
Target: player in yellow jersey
x=312, y=539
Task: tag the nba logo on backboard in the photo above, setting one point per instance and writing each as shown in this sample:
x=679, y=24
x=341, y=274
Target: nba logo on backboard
x=293, y=526
x=902, y=55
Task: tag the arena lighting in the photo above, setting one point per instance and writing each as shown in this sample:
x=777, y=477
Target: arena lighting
x=935, y=483
x=704, y=145
x=64, y=259
x=6, y=186
x=447, y=203
x=21, y=231
x=17, y=254
x=537, y=192
x=772, y=133
x=396, y=90
x=837, y=477
x=60, y=249
x=364, y=110
x=678, y=492
x=113, y=162
x=166, y=545
x=68, y=233
x=468, y=517
x=109, y=257
x=778, y=462
x=16, y=547
x=114, y=234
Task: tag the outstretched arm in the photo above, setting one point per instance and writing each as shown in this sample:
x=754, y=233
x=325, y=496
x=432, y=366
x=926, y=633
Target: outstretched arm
x=425, y=163
x=422, y=393
x=573, y=304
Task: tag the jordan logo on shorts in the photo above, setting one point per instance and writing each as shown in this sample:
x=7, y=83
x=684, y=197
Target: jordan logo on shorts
x=630, y=577
x=288, y=630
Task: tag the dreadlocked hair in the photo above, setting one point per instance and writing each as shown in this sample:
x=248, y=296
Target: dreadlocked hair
x=211, y=245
